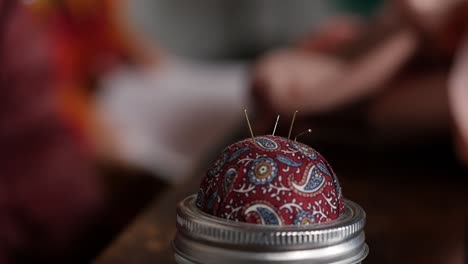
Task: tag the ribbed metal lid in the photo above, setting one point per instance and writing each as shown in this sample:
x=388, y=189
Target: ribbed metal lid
x=203, y=237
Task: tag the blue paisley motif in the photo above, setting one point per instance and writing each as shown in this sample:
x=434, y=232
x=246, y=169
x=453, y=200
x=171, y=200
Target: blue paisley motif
x=200, y=198
x=269, y=218
x=238, y=153
x=313, y=182
x=266, y=143
x=263, y=170
x=266, y=214
x=288, y=161
x=229, y=179
x=305, y=150
x=304, y=218
x=324, y=168
x=217, y=165
x=338, y=187
x=212, y=200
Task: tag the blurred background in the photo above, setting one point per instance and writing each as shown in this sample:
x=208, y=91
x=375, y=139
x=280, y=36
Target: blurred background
x=111, y=110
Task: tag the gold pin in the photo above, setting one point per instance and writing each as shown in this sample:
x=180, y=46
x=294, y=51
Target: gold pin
x=248, y=123
x=300, y=134
x=292, y=124
x=276, y=124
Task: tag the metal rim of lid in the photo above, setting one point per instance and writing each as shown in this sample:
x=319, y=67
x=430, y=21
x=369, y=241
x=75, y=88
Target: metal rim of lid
x=195, y=224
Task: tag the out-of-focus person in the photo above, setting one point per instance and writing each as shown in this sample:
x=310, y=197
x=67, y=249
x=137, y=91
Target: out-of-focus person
x=51, y=54
x=400, y=66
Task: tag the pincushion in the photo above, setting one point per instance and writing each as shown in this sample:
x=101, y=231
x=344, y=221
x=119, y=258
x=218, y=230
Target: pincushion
x=271, y=180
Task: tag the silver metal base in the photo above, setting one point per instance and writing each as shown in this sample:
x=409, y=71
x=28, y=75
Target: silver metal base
x=204, y=239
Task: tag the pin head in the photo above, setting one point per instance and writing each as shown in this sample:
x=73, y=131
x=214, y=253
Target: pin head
x=303, y=133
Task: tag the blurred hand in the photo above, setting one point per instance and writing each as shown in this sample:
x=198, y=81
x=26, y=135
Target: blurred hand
x=290, y=79
x=318, y=80
x=430, y=14
x=299, y=78
x=441, y=23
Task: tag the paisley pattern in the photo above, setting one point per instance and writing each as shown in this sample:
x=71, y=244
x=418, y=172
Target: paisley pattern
x=200, y=198
x=311, y=184
x=238, y=153
x=323, y=168
x=304, y=218
x=336, y=182
x=266, y=143
x=264, y=214
x=211, y=201
x=288, y=161
x=305, y=150
x=229, y=178
x=272, y=181
x=217, y=165
x=263, y=170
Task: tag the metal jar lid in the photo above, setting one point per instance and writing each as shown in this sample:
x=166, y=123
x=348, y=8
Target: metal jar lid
x=205, y=239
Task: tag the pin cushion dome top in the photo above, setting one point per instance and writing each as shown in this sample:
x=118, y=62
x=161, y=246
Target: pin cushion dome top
x=272, y=181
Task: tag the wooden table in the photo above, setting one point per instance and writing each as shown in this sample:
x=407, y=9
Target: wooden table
x=415, y=198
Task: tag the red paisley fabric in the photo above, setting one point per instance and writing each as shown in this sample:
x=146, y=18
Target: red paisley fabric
x=271, y=181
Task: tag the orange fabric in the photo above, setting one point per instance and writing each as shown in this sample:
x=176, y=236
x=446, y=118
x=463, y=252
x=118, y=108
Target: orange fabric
x=87, y=40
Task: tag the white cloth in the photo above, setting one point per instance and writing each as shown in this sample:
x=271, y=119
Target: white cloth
x=167, y=119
